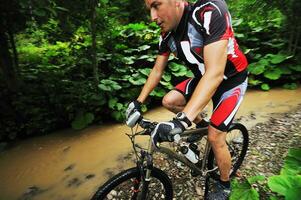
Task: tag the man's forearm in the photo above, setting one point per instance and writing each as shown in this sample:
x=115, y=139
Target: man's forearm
x=153, y=78
x=152, y=81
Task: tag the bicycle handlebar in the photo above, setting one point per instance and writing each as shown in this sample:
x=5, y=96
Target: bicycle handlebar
x=149, y=126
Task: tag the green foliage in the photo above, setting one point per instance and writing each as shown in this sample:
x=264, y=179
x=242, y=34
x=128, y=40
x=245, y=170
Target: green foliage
x=287, y=184
x=292, y=163
x=245, y=190
x=82, y=120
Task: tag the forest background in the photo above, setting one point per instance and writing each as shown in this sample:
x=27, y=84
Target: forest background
x=75, y=63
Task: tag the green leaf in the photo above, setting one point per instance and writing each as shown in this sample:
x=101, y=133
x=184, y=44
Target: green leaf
x=109, y=85
x=254, y=179
x=256, y=68
x=112, y=102
x=273, y=74
x=282, y=183
x=254, y=82
x=119, y=116
x=158, y=92
x=290, y=86
x=243, y=191
x=143, y=47
x=292, y=163
x=137, y=79
x=293, y=193
x=273, y=198
x=166, y=77
x=265, y=87
x=129, y=60
x=82, y=120
x=296, y=68
x=285, y=70
x=145, y=71
x=278, y=58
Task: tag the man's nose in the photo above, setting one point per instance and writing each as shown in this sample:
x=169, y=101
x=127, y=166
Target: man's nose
x=154, y=15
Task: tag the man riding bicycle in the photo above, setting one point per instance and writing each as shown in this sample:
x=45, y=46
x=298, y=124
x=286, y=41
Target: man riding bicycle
x=201, y=35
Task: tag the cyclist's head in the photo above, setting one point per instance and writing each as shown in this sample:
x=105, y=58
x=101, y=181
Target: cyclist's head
x=166, y=13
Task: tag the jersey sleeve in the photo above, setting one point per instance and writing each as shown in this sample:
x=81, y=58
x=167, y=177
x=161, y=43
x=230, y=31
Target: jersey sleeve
x=163, y=45
x=214, y=20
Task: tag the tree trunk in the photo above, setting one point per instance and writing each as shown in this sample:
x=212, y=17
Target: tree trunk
x=297, y=39
x=93, y=35
x=13, y=46
x=6, y=63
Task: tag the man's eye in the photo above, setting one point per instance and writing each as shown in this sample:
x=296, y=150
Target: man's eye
x=156, y=6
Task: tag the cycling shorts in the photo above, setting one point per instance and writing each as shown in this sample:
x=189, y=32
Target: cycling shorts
x=226, y=100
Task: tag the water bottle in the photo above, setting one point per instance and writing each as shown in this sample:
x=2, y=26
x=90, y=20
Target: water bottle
x=189, y=154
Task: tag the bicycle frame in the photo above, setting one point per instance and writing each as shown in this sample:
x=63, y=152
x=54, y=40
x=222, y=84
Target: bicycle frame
x=201, y=170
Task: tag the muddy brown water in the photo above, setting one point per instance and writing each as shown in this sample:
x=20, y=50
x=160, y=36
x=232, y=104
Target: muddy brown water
x=72, y=164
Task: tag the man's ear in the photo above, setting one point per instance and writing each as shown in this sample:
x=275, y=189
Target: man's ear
x=178, y=3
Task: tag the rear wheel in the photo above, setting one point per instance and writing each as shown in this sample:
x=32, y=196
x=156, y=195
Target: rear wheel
x=237, y=140
x=128, y=185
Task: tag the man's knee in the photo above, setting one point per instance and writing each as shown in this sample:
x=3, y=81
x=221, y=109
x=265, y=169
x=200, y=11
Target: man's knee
x=167, y=101
x=173, y=99
x=216, y=137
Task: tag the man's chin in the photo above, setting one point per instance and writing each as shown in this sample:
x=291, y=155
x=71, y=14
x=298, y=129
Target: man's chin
x=164, y=29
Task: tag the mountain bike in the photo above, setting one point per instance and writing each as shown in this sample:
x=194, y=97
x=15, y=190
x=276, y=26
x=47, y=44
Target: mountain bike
x=146, y=181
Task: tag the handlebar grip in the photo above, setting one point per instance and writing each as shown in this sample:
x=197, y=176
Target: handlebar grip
x=144, y=123
x=133, y=119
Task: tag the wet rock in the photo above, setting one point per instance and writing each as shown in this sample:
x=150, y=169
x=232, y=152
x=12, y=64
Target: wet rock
x=75, y=182
x=70, y=167
x=66, y=149
x=31, y=192
x=89, y=176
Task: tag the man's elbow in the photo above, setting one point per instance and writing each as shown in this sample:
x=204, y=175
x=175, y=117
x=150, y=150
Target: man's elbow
x=220, y=77
x=214, y=75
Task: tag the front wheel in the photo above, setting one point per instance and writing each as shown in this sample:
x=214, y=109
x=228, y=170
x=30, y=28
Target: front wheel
x=128, y=185
x=237, y=140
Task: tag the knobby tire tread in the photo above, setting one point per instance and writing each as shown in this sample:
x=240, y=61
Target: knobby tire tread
x=105, y=189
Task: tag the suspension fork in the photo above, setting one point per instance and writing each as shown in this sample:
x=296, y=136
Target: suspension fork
x=149, y=166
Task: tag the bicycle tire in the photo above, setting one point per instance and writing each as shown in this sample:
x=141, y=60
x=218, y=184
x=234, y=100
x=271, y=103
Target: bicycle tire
x=133, y=173
x=237, y=156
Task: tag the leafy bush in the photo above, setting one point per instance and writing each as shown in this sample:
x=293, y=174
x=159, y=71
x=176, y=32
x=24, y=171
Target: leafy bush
x=287, y=184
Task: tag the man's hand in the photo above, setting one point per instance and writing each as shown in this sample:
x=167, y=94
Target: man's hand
x=165, y=131
x=133, y=113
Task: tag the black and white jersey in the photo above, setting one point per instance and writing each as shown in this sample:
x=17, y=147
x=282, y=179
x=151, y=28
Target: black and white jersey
x=202, y=23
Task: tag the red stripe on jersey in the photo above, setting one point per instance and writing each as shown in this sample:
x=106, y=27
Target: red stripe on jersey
x=238, y=59
x=182, y=86
x=225, y=108
x=228, y=33
x=206, y=9
x=198, y=50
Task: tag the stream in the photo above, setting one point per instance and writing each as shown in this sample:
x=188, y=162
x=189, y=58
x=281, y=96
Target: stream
x=72, y=164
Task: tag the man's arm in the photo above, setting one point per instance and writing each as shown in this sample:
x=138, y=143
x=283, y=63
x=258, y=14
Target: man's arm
x=215, y=58
x=154, y=77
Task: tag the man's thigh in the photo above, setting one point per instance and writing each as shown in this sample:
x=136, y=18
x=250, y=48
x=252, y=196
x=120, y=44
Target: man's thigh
x=225, y=106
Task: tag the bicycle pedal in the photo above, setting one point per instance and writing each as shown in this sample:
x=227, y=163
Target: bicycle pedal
x=194, y=173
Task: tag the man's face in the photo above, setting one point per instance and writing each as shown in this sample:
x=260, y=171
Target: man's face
x=165, y=13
